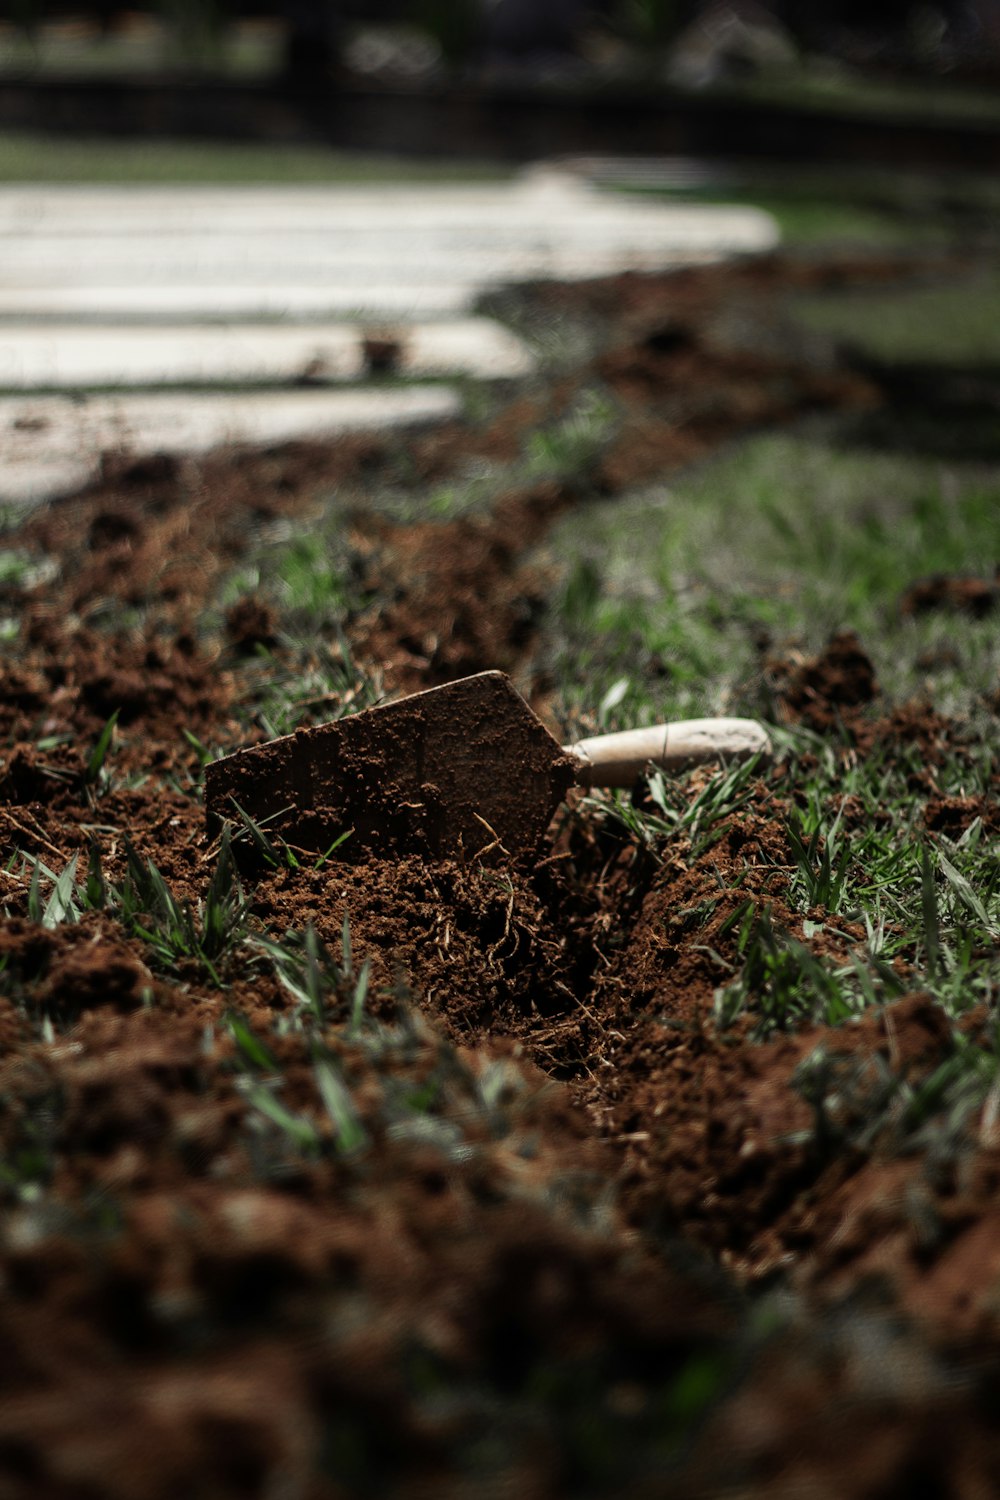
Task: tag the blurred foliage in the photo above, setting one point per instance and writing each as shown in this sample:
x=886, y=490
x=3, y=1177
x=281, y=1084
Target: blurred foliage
x=652, y=23
x=196, y=28
x=904, y=34
x=455, y=25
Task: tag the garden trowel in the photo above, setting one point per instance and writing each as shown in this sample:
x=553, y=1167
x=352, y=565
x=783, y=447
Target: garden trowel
x=457, y=770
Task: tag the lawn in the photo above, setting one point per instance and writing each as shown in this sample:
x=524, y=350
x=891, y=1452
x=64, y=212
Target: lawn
x=27, y=157
x=661, y=1159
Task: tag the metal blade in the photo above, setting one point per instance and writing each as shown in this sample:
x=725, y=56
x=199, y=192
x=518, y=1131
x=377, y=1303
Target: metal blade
x=459, y=770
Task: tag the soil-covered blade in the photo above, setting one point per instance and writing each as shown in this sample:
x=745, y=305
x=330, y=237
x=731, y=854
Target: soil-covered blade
x=455, y=770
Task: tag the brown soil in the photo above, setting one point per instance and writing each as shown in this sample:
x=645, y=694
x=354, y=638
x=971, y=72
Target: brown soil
x=818, y=690
x=966, y=595
x=529, y=1258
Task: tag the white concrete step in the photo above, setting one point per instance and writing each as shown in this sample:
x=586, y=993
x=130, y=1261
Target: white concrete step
x=349, y=260
x=266, y=301
x=53, y=444
x=548, y=225
x=68, y=356
x=540, y=202
x=131, y=287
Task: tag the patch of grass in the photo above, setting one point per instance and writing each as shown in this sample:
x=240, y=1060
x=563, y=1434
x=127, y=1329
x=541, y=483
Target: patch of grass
x=861, y=1103
x=696, y=819
x=809, y=217
x=425, y=1094
x=671, y=601
x=866, y=207
x=309, y=683
x=631, y=620
x=34, y=158
x=20, y=570
x=95, y=772
x=929, y=906
x=784, y=984
x=790, y=535
x=953, y=323
x=315, y=581
x=311, y=578
x=309, y=575
x=176, y=933
x=838, y=88
x=570, y=448
x=318, y=983
x=61, y=905
x=815, y=221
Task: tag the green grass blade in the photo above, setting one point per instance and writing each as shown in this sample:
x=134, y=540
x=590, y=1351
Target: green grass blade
x=95, y=764
x=360, y=995
x=340, y=839
x=302, y=1133
x=61, y=906
x=95, y=890
x=931, y=915
x=252, y=1048
x=345, y=941
x=963, y=890
x=36, y=910
x=349, y=1132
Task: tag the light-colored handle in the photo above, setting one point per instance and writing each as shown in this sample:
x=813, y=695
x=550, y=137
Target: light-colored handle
x=618, y=760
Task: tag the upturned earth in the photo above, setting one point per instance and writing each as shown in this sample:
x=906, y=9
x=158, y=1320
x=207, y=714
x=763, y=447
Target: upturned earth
x=474, y=1195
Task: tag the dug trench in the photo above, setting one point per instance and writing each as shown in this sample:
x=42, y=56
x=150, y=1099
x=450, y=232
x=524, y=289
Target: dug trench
x=420, y=1177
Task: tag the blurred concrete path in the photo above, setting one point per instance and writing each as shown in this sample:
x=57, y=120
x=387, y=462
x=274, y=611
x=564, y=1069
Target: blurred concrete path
x=112, y=298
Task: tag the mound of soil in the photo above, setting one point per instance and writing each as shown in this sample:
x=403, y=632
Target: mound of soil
x=967, y=595
x=446, y=1176
x=820, y=691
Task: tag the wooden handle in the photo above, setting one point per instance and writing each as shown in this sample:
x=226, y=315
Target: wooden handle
x=618, y=760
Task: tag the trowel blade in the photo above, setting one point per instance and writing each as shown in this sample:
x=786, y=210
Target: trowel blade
x=457, y=771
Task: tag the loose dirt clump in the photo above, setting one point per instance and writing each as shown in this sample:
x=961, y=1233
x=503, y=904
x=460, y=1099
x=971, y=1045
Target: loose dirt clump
x=251, y=623
x=454, y=598
x=159, y=680
x=160, y=534
x=94, y=973
x=683, y=397
x=954, y=816
x=962, y=594
x=477, y=942
x=817, y=691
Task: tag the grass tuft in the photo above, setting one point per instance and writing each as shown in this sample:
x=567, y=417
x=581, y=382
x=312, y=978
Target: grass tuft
x=176, y=933
x=94, y=775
